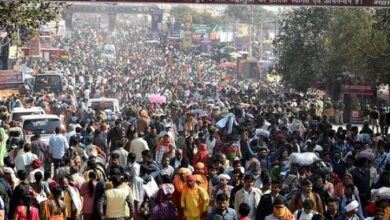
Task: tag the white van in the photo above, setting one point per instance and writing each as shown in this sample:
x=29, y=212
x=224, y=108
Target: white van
x=102, y=104
x=17, y=113
x=42, y=124
x=109, y=51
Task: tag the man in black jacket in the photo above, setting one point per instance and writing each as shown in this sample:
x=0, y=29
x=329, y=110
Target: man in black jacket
x=114, y=135
x=265, y=206
x=332, y=209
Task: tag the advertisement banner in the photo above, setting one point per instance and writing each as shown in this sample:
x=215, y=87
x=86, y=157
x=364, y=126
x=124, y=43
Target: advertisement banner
x=356, y=117
x=35, y=47
x=202, y=28
x=357, y=90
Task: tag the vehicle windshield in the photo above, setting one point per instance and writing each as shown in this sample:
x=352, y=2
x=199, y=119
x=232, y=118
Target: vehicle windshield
x=50, y=80
x=108, y=51
x=101, y=106
x=41, y=126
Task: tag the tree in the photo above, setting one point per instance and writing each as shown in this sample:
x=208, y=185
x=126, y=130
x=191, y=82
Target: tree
x=29, y=14
x=343, y=46
x=300, y=46
x=348, y=32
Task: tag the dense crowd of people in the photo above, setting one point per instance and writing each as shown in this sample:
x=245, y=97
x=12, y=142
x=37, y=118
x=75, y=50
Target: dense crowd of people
x=219, y=148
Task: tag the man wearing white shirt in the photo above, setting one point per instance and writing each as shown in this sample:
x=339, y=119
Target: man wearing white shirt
x=307, y=212
x=24, y=160
x=57, y=147
x=137, y=146
x=132, y=166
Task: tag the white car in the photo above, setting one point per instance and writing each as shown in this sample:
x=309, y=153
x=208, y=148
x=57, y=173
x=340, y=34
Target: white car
x=42, y=124
x=17, y=113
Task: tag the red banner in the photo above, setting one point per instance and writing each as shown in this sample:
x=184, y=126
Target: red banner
x=35, y=47
x=359, y=3
x=356, y=90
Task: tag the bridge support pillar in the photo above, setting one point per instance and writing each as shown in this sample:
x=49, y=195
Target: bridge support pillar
x=156, y=19
x=68, y=21
x=111, y=21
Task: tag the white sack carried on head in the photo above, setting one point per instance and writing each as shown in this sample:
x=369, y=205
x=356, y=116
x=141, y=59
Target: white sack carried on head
x=303, y=159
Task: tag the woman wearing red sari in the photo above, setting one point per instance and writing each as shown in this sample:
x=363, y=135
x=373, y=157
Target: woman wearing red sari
x=202, y=155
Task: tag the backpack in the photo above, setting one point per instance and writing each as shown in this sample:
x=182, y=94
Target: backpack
x=298, y=195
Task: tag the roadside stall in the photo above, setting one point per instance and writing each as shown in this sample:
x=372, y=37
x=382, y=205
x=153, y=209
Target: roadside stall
x=355, y=97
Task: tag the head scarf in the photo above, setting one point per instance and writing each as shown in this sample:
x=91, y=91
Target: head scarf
x=200, y=165
x=191, y=178
x=283, y=213
x=184, y=170
x=177, y=182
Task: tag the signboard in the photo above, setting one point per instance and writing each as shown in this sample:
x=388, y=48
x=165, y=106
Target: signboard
x=202, y=28
x=356, y=117
x=10, y=79
x=357, y=90
x=35, y=47
x=342, y=3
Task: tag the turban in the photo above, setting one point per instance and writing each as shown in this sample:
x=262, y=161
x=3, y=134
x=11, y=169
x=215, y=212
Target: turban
x=200, y=165
x=37, y=163
x=191, y=178
x=352, y=206
x=184, y=171
x=224, y=176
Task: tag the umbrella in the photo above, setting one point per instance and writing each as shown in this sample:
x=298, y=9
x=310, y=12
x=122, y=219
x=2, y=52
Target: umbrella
x=159, y=99
x=235, y=55
x=227, y=65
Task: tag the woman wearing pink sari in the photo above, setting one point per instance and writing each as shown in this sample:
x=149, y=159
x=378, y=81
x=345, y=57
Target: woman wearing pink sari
x=339, y=185
x=25, y=210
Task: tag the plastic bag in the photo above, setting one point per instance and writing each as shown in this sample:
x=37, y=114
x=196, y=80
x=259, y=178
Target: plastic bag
x=303, y=159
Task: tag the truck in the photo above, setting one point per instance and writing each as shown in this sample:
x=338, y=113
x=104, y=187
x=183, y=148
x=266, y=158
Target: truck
x=11, y=82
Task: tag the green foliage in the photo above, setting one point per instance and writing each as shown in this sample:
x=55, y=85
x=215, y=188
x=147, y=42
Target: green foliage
x=27, y=14
x=300, y=46
x=342, y=45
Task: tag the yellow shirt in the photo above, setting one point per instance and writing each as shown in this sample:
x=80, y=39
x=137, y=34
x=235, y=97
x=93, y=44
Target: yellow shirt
x=116, y=203
x=68, y=202
x=122, y=186
x=387, y=213
x=194, y=201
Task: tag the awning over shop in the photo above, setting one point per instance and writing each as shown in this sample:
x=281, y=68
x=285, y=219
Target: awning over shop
x=357, y=90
